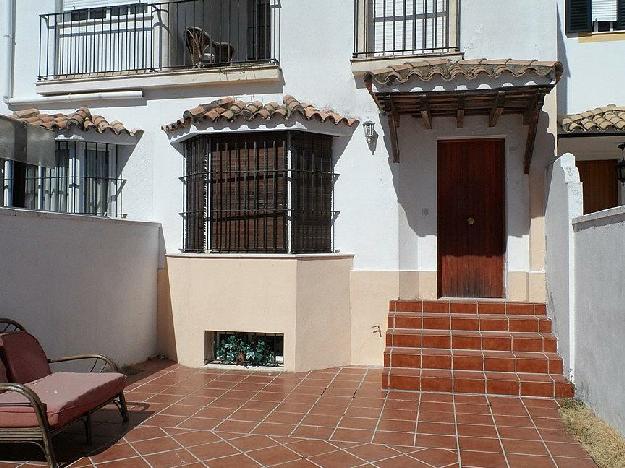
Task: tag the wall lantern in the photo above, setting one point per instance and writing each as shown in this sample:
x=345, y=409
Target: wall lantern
x=369, y=128
x=620, y=166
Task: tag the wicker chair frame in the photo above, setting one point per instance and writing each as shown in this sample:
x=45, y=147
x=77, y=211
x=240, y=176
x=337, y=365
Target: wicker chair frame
x=42, y=434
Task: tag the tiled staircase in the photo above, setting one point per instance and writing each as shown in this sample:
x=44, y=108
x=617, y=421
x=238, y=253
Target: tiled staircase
x=500, y=348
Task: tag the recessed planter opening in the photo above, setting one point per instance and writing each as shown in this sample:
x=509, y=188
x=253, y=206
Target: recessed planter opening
x=249, y=349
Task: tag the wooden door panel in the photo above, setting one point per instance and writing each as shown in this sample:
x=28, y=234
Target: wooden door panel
x=471, y=218
x=600, y=184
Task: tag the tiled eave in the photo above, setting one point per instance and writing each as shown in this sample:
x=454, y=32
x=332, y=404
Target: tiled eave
x=601, y=121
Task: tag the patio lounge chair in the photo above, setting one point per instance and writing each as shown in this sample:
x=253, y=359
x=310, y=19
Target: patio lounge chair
x=204, y=50
x=36, y=403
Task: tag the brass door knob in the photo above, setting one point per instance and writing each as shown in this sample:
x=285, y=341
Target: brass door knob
x=471, y=220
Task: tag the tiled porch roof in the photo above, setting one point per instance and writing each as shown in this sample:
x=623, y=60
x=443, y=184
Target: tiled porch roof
x=230, y=109
x=610, y=118
x=448, y=70
x=81, y=119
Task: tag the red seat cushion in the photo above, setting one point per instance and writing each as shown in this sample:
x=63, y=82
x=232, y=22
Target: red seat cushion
x=66, y=395
x=3, y=373
x=23, y=357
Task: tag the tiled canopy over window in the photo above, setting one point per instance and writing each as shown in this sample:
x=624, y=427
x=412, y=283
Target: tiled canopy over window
x=258, y=191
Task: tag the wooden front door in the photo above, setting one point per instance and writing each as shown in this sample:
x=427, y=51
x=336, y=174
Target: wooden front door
x=471, y=218
x=600, y=184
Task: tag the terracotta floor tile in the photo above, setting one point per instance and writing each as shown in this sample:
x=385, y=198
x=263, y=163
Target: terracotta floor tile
x=126, y=463
x=436, y=428
x=252, y=442
x=352, y=435
x=403, y=461
x=191, y=438
x=358, y=423
x=273, y=455
x=483, y=459
x=338, y=459
x=160, y=444
x=436, y=441
x=524, y=461
x=313, y=432
x=524, y=433
x=213, y=450
x=475, y=430
x=236, y=426
x=396, y=425
x=480, y=444
x=170, y=458
x=278, y=429
x=436, y=456
x=311, y=448
x=232, y=461
x=200, y=424
x=394, y=438
x=373, y=452
x=116, y=452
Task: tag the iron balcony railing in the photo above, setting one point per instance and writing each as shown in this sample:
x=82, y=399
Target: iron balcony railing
x=96, y=196
x=406, y=27
x=143, y=38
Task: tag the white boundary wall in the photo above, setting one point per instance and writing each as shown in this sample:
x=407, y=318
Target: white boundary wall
x=600, y=312
x=81, y=284
x=585, y=268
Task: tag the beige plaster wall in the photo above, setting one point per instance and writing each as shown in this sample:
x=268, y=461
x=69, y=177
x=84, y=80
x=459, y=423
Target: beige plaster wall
x=323, y=332
x=370, y=294
x=304, y=298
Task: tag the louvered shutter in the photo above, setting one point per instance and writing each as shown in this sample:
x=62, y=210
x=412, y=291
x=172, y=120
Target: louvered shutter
x=620, y=14
x=69, y=5
x=578, y=16
x=604, y=10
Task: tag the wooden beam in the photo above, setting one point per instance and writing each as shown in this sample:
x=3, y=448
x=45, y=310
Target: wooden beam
x=426, y=114
x=460, y=113
x=497, y=109
x=392, y=124
x=533, y=115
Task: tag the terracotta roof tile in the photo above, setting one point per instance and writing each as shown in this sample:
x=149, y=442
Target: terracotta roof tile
x=610, y=118
x=230, y=109
x=82, y=119
x=447, y=69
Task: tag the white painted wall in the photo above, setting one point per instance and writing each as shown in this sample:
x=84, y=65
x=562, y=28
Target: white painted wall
x=599, y=299
x=564, y=202
x=591, y=69
x=81, y=284
x=316, y=67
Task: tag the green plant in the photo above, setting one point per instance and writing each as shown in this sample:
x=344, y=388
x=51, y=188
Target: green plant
x=243, y=350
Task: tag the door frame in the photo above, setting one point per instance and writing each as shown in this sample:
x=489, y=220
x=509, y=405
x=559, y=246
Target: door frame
x=457, y=138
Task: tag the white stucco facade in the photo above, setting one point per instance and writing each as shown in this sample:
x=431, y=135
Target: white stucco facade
x=387, y=211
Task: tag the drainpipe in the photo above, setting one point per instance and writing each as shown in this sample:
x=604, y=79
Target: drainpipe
x=8, y=43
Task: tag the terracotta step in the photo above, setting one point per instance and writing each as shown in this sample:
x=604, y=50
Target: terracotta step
x=491, y=361
x=469, y=322
x=477, y=340
x=494, y=383
x=469, y=307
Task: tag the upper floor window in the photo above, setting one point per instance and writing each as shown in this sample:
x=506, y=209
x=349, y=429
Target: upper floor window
x=587, y=16
x=148, y=37
x=405, y=27
x=261, y=192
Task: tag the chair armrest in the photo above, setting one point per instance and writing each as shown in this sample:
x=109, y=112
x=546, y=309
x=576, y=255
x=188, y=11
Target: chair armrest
x=31, y=396
x=81, y=357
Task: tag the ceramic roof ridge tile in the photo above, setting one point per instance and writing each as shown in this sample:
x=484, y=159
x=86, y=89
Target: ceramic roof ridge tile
x=81, y=118
x=232, y=109
x=600, y=119
x=447, y=69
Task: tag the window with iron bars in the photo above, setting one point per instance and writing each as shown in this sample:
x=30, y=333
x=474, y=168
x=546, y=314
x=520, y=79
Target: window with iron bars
x=83, y=181
x=259, y=193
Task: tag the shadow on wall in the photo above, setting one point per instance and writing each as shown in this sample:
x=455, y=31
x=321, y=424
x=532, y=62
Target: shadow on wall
x=166, y=336
x=562, y=57
x=229, y=89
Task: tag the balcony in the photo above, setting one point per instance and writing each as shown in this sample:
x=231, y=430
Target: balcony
x=140, y=40
x=395, y=30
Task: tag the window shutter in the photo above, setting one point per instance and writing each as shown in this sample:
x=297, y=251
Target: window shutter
x=578, y=16
x=69, y=5
x=604, y=10
x=620, y=14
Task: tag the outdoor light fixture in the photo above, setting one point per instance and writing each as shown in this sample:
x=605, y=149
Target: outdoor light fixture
x=620, y=166
x=369, y=127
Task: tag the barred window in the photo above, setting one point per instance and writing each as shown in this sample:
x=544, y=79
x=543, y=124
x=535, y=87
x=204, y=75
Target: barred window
x=259, y=192
x=83, y=181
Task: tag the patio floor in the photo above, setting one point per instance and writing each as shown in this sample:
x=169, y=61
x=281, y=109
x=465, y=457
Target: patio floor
x=335, y=418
